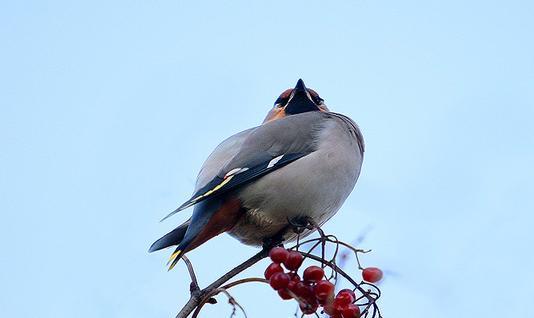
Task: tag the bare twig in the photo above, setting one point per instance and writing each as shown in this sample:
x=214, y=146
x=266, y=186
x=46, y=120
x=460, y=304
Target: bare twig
x=244, y=281
x=200, y=297
x=231, y=301
x=194, y=282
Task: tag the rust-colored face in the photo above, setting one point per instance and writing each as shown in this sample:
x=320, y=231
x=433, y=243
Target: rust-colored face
x=295, y=101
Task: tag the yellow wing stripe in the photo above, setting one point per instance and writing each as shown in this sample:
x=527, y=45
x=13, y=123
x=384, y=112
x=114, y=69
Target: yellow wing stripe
x=220, y=185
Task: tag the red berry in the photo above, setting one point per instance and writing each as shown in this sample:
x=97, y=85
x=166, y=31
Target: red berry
x=323, y=289
x=294, y=280
x=305, y=294
x=304, y=291
x=279, y=281
x=351, y=311
x=332, y=311
x=343, y=298
x=350, y=291
x=308, y=301
x=273, y=269
x=292, y=286
x=308, y=309
x=278, y=255
x=294, y=277
x=313, y=273
x=284, y=294
x=293, y=261
x=327, y=301
x=372, y=274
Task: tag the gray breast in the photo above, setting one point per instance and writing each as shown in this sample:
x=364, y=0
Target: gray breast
x=315, y=185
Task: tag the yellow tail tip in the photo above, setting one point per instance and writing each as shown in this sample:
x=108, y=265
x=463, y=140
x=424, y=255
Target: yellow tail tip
x=173, y=260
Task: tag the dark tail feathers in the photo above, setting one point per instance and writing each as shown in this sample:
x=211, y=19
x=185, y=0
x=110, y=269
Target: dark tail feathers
x=172, y=238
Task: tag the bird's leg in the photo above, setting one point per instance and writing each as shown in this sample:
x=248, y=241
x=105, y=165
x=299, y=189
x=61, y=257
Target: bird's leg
x=307, y=223
x=275, y=240
x=298, y=224
x=312, y=225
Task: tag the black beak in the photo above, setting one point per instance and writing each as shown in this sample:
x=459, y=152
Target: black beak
x=300, y=102
x=300, y=86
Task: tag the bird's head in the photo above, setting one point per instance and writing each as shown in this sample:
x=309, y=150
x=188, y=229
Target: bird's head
x=294, y=101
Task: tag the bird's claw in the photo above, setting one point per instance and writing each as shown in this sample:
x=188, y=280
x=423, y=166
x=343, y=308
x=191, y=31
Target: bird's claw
x=299, y=224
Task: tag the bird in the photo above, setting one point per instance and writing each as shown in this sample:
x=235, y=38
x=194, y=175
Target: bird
x=303, y=161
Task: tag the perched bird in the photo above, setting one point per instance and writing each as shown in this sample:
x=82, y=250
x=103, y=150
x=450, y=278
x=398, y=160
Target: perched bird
x=302, y=161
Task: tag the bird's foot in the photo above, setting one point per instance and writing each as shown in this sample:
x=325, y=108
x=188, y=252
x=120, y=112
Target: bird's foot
x=299, y=224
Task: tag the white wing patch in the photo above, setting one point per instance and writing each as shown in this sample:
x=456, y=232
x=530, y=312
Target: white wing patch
x=217, y=185
x=228, y=176
x=234, y=172
x=274, y=161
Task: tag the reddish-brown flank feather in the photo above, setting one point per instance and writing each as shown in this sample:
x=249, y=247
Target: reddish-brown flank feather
x=223, y=220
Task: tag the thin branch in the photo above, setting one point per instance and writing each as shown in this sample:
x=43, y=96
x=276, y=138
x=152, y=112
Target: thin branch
x=232, y=302
x=200, y=297
x=245, y=280
x=239, y=268
x=194, y=282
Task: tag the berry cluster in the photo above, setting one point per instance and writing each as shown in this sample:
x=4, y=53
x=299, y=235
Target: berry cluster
x=313, y=290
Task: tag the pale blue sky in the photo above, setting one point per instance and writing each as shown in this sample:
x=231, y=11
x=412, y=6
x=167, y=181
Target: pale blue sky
x=108, y=109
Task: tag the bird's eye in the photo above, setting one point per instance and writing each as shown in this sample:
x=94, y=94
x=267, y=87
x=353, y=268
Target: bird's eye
x=283, y=98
